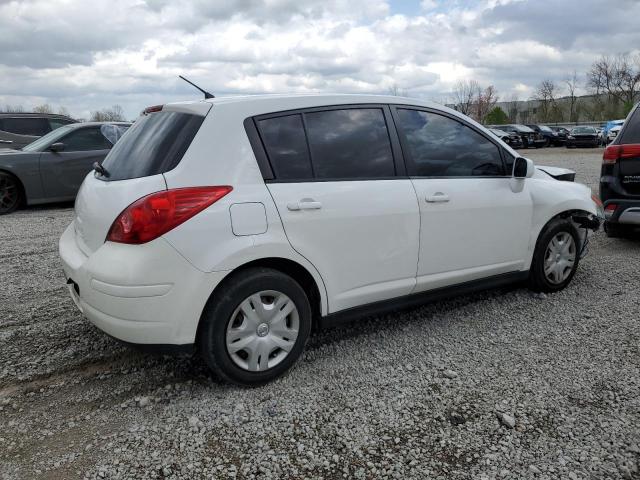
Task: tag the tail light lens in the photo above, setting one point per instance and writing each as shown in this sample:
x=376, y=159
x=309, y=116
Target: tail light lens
x=613, y=153
x=609, y=210
x=154, y=215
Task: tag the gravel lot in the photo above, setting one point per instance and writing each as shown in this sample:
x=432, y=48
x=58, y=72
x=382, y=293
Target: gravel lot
x=503, y=384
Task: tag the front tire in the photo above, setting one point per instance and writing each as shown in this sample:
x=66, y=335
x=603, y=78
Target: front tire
x=10, y=193
x=556, y=257
x=255, y=327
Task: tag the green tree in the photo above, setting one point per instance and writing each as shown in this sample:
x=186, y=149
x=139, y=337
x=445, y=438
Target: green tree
x=497, y=116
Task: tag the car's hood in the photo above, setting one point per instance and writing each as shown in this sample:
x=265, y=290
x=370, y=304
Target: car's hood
x=558, y=173
x=5, y=151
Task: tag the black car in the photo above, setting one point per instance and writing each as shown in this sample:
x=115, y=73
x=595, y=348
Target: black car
x=583, y=137
x=20, y=129
x=550, y=137
x=620, y=179
x=510, y=138
x=529, y=137
x=562, y=133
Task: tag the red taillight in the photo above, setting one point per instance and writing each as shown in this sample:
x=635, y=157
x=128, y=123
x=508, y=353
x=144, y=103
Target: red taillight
x=152, y=109
x=613, y=153
x=149, y=217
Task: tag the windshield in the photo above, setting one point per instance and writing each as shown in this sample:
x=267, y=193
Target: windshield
x=544, y=128
x=583, y=130
x=523, y=128
x=46, y=140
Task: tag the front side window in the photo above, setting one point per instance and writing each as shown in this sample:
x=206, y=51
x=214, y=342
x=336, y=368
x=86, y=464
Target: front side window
x=349, y=143
x=84, y=139
x=443, y=147
x=32, y=126
x=286, y=146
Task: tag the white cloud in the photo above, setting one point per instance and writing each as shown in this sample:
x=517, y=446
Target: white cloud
x=88, y=55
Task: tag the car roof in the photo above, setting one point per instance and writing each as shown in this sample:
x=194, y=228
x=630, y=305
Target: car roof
x=33, y=115
x=259, y=104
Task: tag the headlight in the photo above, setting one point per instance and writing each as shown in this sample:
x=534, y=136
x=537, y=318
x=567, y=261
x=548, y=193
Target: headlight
x=599, y=206
x=570, y=137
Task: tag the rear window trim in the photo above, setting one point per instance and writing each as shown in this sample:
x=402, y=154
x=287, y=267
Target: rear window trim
x=264, y=162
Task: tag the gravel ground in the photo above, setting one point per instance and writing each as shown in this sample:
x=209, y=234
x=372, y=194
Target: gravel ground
x=502, y=384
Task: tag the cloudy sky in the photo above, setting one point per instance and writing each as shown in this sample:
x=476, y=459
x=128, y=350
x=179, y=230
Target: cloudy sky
x=90, y=54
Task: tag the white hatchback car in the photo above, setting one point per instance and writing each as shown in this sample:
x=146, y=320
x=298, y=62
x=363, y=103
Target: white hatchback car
x=235, y=225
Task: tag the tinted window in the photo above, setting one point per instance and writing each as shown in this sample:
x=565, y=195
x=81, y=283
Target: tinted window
x=443, y=147
x=26, y=126
x=154, y=144
x=350, y=143
x=58, y=122
x=631, y=132
x=286, y=146
x=84, y=139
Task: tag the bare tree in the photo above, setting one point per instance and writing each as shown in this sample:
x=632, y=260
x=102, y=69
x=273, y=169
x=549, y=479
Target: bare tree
x=484, y=103
x=572, y=85
x=511, y=106
x=618, y=77
x=113, y=114
x=396, y=91
x=465, y=93
x=44, y=108
x=63, y=111
x=12, y=109
x=546, y=96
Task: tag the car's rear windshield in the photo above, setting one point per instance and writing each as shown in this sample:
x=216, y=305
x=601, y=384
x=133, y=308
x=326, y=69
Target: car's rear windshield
x=154, y=144
x=583, y=130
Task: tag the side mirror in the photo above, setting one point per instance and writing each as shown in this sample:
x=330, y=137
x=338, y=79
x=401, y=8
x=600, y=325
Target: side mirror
x=56, y=147
x=523, y=168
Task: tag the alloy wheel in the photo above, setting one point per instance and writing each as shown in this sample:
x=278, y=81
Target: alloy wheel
x=9, y=193
x=262, y=330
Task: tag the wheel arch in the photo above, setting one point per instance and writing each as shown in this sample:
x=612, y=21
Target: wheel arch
x=289, y=267
x=564, y=214
x=23, y=192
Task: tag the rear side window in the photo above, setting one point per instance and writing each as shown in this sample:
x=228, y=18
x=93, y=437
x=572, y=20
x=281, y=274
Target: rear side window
x=26, y=126
x=154, y=144
x=350, y=143
x=85, y=139
x=631, y=132
x=439, y=146
x=286, y=145
x=58, y=122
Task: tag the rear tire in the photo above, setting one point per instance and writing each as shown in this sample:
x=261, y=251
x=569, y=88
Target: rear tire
x=617, y=230
x=254, y=328
x=10, y=193
x=556, y=257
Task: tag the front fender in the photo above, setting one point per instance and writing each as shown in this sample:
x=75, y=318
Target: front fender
x=552, y=198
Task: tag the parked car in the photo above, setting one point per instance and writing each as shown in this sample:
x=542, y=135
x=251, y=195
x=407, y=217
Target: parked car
x=613, y=133
x=528, y=136
x=20, y=129
x=620, y=178
x=52, y=168
x=243, y=222
x=550, y=136
x=510, y=138
x=583, y=136
x=562, y=133
x=608, y=126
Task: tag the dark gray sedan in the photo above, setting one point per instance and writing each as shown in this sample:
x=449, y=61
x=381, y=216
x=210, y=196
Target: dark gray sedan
x=52, y=168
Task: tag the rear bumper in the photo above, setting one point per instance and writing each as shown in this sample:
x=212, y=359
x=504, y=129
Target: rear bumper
x=143, y=294
x=627, y=211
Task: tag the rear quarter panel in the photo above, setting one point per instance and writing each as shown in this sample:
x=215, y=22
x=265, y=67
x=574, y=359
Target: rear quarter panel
x=221, y=154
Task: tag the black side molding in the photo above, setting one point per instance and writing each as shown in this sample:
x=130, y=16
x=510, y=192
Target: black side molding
x=413, y=300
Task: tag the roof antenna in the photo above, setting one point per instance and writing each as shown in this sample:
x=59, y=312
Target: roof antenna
x=206, y=94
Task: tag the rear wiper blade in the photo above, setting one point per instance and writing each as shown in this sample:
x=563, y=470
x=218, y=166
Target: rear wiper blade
x=97, y=166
